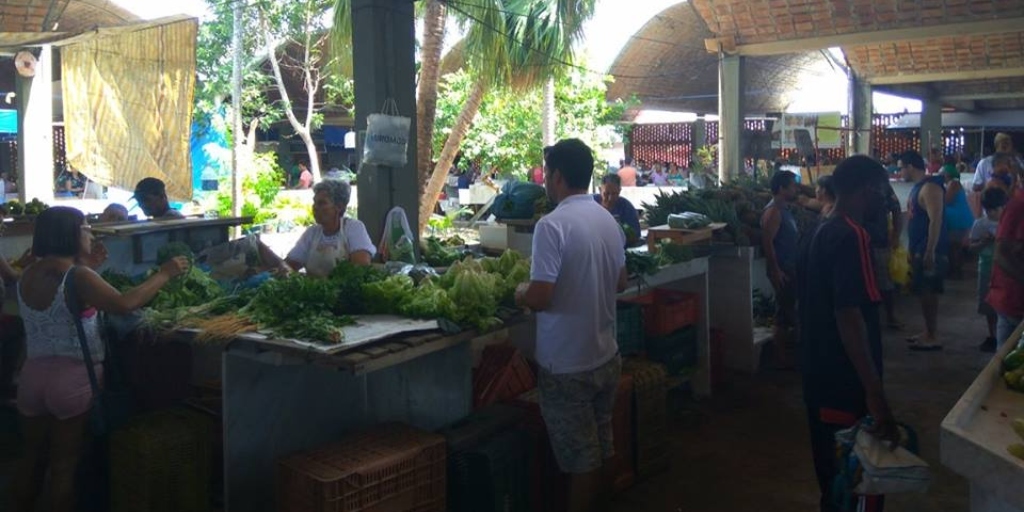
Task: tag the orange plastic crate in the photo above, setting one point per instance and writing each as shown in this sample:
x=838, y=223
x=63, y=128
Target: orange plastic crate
x=666, y=311
x=392, y=468
x=503, y=375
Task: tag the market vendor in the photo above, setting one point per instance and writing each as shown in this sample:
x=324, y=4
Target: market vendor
x=620, y=207
x=151, y=194
x=334, y=237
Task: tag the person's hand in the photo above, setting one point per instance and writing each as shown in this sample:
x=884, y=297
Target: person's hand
x=521, y=293
x=884, y=426
x=174, y=267
x=281, y=270
x=97, y=255
x=778, y=278
x=929, y=262
x=26, y=259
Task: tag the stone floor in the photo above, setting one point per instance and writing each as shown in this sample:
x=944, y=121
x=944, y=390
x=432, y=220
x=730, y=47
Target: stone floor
x=746, y=449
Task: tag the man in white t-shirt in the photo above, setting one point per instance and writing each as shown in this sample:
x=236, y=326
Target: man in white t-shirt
x=983, y=173
x=578, y=268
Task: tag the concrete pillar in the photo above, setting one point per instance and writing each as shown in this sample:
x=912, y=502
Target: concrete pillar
x=730, y=113
x=383, y=46
x=861, y=109
x=699, y=137
x=931, y=126
x=35, y=131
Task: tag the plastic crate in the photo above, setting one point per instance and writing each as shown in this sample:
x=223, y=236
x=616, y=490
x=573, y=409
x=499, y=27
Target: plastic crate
x=491, y=477
x=650, y=416
x=670, y=310
x=467, y=434
x=503, y=375
x=161, y=462
x=392, y=468
x=548, y=486
x=629, y=327
x=677, y=351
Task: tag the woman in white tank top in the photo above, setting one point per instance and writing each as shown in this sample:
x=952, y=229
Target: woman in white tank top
x=54, y=394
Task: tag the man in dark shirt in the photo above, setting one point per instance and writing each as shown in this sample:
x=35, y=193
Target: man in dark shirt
x=840, y=333
x=620, y=207
x=883, y=241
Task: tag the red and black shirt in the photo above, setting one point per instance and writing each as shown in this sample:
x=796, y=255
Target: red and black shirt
x=835, y=273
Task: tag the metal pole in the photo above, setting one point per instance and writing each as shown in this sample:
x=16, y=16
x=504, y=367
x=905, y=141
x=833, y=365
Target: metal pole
x=236, y=109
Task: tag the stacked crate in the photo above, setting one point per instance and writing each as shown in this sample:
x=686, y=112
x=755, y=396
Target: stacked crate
x=503, y=375
x=487, y=462
x=650, y=416
x=161, y=462
x=391, y=468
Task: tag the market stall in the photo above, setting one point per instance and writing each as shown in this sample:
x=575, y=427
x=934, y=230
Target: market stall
x=978, y=433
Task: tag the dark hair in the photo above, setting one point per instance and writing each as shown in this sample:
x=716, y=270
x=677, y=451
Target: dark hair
x=574, y=160
x=993, y=198
x=781, y=180
x=913, y=159
x=150, y=187
x=58, y=232
x=855, y=173
x=611, y=179
x=825, y=183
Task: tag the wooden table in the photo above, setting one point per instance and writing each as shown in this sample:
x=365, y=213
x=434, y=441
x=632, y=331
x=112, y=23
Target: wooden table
x=681, y=236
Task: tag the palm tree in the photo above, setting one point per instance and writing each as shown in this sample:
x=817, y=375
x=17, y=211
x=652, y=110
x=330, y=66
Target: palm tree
x=509, y=43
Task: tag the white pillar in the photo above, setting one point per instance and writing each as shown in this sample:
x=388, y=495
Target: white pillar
x=35, y=131
x=931, y=126
x=861, y=110
x=730, y=113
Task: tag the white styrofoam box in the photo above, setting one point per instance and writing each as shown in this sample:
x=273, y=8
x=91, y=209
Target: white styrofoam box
x=520, y=242
x=494, y=236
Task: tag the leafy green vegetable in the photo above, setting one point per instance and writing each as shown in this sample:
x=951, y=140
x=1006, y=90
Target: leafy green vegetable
x=349, y=279
x=387, y=296
x=119, y=281
x=436, y=254
x=173, y=250
x=640, y=264
x=193, y=288
x=300, y=307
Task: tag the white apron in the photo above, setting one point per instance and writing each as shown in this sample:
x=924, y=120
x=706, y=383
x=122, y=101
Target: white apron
x=327, y=253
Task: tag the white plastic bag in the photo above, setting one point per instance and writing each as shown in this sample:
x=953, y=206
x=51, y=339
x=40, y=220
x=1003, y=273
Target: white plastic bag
x=387, y=137
x=397, y=242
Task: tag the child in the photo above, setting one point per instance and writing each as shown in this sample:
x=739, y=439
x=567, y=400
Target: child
x=983, y=237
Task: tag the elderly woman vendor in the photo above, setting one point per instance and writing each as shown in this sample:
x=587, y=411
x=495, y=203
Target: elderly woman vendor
x=334, y=237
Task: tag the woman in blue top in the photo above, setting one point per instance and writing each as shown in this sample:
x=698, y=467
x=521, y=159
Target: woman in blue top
x=957, y=216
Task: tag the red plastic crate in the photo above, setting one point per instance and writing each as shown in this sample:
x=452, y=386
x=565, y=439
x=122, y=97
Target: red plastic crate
x=503, y=375
x=392, y=468
x=667, y=310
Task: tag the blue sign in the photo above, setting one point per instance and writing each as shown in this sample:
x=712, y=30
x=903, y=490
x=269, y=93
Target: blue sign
x=8, y=121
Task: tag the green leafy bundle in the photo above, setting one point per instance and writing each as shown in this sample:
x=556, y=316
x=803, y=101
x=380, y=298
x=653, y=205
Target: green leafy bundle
x=299, y=307
x=193, y=288
x=436, y=254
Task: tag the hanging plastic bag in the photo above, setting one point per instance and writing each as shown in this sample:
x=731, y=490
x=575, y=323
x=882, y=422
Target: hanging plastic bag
x=899, y=266
x=397, y=242
x=387, y=137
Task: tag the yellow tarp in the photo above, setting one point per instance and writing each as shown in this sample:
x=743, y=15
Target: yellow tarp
x=128, y=106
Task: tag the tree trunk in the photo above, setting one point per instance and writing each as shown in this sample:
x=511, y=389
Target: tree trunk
x=426, y=101
x=548, y=114
x=451, y=148
x=314, y=158
x=301, y=130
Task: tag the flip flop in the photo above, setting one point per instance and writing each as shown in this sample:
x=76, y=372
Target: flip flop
x=925, y=348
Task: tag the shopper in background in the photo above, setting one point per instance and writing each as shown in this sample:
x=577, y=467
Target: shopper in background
x=883, y=240
x=151, y=195
x=841, y=336
x=986, y=167
x=825, y=194
x=957, y=217
x=982, y=243
x=928, y=245
x=659, y=176
x=622, y=209
x=779, y=239
x=628, y=174
x=1006, y=290
x=54, y=392
x=114, y=213
x=578, y=268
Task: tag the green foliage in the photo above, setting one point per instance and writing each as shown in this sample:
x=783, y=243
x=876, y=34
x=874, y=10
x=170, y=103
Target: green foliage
x=261, y=182
x=507, y=131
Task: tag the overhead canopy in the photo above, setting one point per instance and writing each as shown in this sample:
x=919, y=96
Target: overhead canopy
x=128, y=103
x=667, y=66
x=968, y=54
x=31, y=22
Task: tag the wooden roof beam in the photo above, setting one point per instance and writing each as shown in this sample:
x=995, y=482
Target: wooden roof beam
x=808, y=44
x=946, y=76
